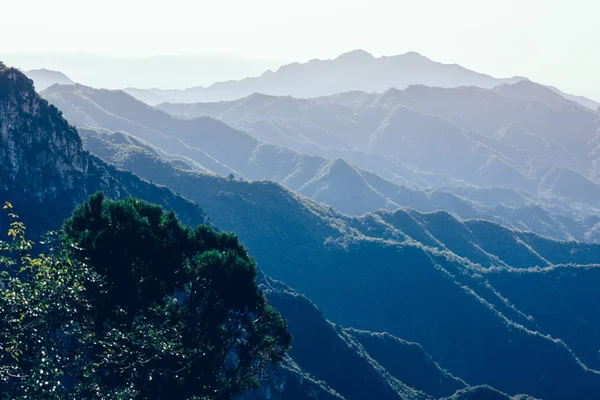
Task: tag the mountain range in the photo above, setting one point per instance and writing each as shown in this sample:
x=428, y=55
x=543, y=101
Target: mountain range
x=522, y=136
x=395, y=268
x=371, y=180
x=471, y=308
x=355, y=70
x=46, y=172
x=498, y=136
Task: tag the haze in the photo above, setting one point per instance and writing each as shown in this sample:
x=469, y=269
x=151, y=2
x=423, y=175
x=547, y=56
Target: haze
x=554, y=42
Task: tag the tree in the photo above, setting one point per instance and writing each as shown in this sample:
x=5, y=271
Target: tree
x=164, y=311
x=43, y=309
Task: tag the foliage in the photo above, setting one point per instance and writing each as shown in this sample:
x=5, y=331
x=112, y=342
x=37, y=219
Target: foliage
x=44, y=315
x=141, y=307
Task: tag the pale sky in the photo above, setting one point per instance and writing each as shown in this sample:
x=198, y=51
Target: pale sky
x=554, y=42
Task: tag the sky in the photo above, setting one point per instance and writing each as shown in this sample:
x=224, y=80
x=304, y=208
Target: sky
x=549, y=41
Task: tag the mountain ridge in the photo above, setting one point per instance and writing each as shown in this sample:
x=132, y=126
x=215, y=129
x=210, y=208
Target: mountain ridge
x=202, y=145
x=355, y=65
x=357, y=59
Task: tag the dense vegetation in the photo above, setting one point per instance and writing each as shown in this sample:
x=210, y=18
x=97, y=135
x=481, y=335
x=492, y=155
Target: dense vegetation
x=131, y=303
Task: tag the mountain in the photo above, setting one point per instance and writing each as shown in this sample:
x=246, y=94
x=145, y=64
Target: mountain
x=335, y=355
x=114, y=111
x=513, y=137
x=582, y=100
x=204, y=145
x=208, y=143
x=354, y=191
x=429, y=278
x=44, y=78
x=507, y=136
x=46, y=171
x=355, y=70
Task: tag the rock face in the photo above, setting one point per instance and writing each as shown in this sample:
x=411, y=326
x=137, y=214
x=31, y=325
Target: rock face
x=38, y=147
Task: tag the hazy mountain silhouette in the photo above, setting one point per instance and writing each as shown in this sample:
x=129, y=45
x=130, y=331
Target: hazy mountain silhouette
x=44, y=78
x=355, y=70
x=582, y=100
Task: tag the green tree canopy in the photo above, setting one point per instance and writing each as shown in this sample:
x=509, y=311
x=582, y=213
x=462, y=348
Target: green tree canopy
x=162, y=310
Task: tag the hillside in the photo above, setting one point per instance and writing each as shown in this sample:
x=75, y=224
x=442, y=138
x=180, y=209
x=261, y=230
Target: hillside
x=416, y=275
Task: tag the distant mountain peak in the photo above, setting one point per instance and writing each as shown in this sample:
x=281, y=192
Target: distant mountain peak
x=45, y=70
x=356, y=56
x=414, y=55
x=341, y=163
x=259, y=95
x=356, y=70
x=44, y=78
x=530, y=91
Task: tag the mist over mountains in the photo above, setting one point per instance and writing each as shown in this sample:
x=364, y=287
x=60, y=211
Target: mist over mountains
x=517, y=188
x=355, y=70
x=428, y=232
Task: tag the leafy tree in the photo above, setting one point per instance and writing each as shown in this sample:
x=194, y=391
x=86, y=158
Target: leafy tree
x=146, y=308
x=43, y=312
